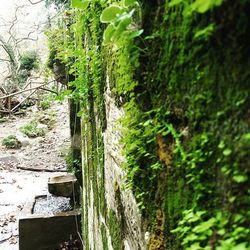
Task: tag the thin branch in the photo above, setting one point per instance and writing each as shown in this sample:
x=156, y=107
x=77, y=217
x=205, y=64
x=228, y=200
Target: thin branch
x=4, y=60
x=36, y=2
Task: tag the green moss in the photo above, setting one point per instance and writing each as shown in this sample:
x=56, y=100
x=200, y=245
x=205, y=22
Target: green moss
x=104, y=238
x=184, y=86
x=115, y=231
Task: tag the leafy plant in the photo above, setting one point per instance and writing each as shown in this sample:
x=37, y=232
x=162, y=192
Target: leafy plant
x=200, y=6
x=33, y=130
x=80, y=4
x=11, y=141
x=47, y=118
x=71, y=163
x=29, y=61
x=121, y=25
x=46, y=101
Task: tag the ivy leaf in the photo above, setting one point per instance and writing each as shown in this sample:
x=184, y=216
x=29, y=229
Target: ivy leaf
x=241, y=246
x=110, y=13
x=240, y=178
x=204, y=226
x=79, y=4
x=108, y=33
x=134, y=34
x=128, y=3
x=227, y=152
x=122, y=26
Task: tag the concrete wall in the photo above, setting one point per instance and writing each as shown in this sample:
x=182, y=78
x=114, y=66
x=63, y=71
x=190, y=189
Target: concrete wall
x=117, y=224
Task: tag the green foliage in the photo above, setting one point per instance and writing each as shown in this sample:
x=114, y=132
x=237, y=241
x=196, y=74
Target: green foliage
x=71, y=163
x=29, y=61
x=80, y=4
x=46, y=101
x=196, y=231
x=45, y=104
x=121, y=25
x=184, y=88
x=33, y=130
x=200, y=6
x=11, y=142
x=115, y=231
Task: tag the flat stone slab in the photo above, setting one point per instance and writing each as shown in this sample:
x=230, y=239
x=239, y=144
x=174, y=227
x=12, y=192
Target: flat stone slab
x=62, y=185
x=48, y=232
x=8, y=159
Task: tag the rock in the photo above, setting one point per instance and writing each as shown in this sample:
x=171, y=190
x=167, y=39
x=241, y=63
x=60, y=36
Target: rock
x=8, y=159
x=62, y=185
x=42, y=126
x=24, y=140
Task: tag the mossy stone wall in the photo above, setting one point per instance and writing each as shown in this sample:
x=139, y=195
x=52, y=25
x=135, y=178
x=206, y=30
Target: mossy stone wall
x=183, y=86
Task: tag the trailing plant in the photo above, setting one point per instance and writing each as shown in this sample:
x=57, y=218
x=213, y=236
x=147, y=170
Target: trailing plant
x=184, y=88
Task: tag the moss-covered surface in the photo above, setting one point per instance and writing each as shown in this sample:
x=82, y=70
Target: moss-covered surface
x=184, y=86
x=104, y=237
x=115, y=231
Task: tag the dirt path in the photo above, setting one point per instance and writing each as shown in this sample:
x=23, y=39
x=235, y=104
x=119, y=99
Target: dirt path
x=43, y=154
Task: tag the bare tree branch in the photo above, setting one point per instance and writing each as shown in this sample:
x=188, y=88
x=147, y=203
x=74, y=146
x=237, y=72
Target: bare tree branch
x=4, y=60
x=11, y=45
x=36, y=2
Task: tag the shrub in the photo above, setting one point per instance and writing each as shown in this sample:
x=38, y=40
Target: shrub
x=47, y=118
x=29, y=61
x=32, y=130
x=11, y=142
x=45, y=104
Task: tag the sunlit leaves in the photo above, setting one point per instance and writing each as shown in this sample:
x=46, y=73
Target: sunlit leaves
x=108, y=33
x=240, y=178
x=110, y=13
x=80, y=4
x=200, y=6
x=121, y=24
x=128, y=3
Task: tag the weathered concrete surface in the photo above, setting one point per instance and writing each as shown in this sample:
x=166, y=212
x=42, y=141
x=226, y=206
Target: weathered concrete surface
x=62, y=185
x=119, y=201
x=48, y=232
x=114, y=179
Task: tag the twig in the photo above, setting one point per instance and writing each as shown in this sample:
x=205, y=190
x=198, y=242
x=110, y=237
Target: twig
x=41, y=169
x=35, y=2
x=20, y=103
x=21, y=91
x=2, y=241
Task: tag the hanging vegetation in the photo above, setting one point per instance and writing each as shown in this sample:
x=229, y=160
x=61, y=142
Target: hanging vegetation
x=180, y=71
